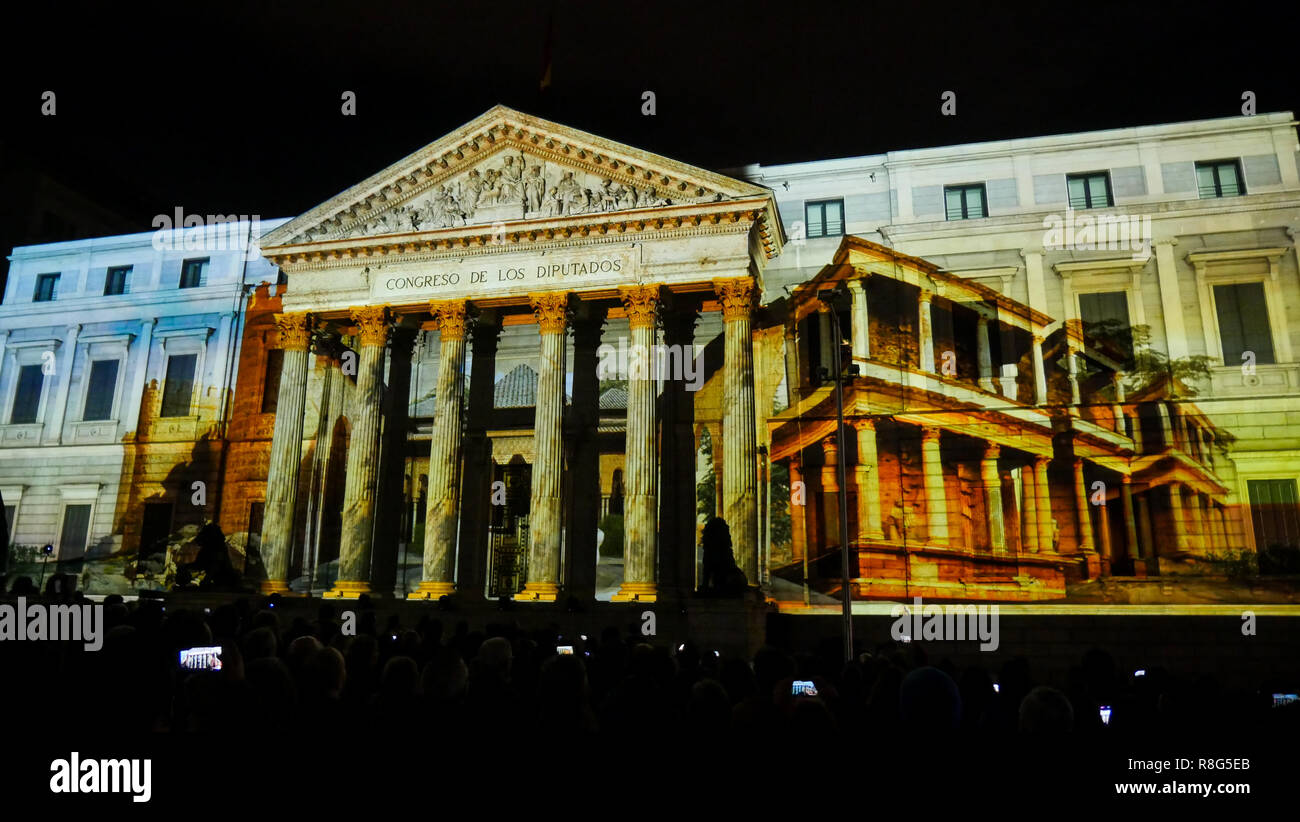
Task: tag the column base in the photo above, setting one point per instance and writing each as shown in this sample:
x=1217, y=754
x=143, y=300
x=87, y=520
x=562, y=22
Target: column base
x=636, y=592
x=539, y=592
x=347, y=590
x=274, y=586
x=433, y=590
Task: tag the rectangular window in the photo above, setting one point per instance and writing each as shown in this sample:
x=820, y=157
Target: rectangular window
x=27, y=398
x=1105, y=319
x=1243, y=322
x=101, y=390
x=115, y=280
x=271, y=380
x=46, y=285
x=192, y=273
x=965, y=202
x=179, y=388
x=1091, y=190
x=1275, y=512
x=76, y=528
x=825, y=218
x=1220, y=178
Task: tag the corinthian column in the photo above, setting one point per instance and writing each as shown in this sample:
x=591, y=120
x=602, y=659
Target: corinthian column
x=1029, y=540
x=545, y=515
x=363, y=456
x=286, y=452
x=640, y=520
x=739, y=450
x=442, y=512
x=992, y=482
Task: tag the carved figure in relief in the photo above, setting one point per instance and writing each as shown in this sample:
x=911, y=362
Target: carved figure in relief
x=511, y=184
x=491, y=193
x=551, y=203
x=534, y=189
x=610, y=195
x=571, y=196
x=471, y=190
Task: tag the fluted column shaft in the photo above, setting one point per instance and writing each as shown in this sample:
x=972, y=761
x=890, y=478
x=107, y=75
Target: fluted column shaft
x=1178, y=519
x=1043, y=488
x=362, y=471
x=442, y=511
x=739, y=448
x=286, y=452
x=798, y=509
x=546, y=512
x=1030, y=539
x=860, y=336
x=640, y=507
x=992, y=482
x=1086, y=541
x=936, y=494
x=868, y=477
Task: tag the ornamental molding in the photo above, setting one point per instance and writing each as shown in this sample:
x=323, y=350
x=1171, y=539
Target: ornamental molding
x=505, y=167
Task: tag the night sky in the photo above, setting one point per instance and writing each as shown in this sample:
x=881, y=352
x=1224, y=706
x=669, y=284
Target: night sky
x=235, y=107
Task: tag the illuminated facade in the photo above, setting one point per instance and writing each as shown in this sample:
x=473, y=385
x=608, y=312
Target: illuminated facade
x=1074, y=360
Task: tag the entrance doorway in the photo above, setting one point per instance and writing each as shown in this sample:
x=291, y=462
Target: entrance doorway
x=512, y=487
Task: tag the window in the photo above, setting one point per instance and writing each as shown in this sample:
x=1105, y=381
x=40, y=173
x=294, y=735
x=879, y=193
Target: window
x=1243, y=322
x=27, y=398
x=76, y=529
x=1275, y=512
x=825, y=218
x=1090, y=190
x=115, y=280
x=101, y=390
x=46, y=284
x=1104, y=315
x=1220, y=178
x=192, y=273
x=965, y=202
x=271, y=380
x=179, y=388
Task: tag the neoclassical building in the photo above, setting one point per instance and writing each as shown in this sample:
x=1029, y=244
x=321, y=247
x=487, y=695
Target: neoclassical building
x=513, y=222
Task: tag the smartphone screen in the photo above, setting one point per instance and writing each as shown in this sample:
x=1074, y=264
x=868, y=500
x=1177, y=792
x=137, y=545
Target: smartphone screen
x=201, y=659
x=564, y=650
x=803, y=687
x=1105, y=714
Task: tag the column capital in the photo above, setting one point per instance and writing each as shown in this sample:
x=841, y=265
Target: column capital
x=641, y=303
x=451, y=317
x=927, y=295
x=372, y=324
x=863, y=423
x=929, y=432
x=992, y=451
x=830, y=445
x=295, y=331
x=736, y=295
x=1125, y=479
x=551, y=309
x=857, y=283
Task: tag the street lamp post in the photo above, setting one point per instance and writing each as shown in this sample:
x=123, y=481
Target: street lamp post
x=829, y=297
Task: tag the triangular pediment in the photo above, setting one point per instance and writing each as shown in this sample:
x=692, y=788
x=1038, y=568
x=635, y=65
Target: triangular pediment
x=506, y=167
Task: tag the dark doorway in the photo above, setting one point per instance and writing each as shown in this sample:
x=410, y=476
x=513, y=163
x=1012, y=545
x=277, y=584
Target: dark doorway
x=155, y=528
x=512, y=487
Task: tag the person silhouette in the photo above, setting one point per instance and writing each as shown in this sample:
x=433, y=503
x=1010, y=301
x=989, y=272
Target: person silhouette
x=722, y=577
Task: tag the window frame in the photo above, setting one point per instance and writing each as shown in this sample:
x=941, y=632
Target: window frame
x=52, y=276
x=1085, y=176
x=1214, y=166
x=202, y=263
x=965, y=188
x=125, y=271
x=1246, y=481
x=810, y=204
x=90, y=360
x=180, y=342
x=1257, y=265
x=85, y=494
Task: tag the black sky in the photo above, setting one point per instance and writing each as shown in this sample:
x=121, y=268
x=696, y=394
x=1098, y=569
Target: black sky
x=235, y=107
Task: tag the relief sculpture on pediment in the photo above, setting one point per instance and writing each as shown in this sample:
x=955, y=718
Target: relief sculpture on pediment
x=516, y=188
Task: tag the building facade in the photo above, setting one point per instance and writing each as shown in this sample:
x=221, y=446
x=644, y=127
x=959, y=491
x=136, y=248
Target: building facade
x=116, y=360
x=1073, y=357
